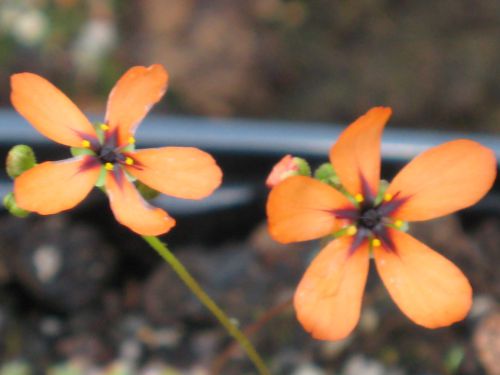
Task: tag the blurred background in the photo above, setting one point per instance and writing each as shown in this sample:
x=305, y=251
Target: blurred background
x=80, y=295
x=435, y=64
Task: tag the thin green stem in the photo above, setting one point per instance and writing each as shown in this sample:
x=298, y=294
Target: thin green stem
x=209, y=303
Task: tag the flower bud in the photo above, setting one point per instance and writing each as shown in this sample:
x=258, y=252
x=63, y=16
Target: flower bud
x=19, y=159
x=10, y=204
x=287, y=167
x=325, y=173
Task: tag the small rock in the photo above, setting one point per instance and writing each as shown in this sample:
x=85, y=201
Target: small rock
x=159, y=369
x=369, y=321
x=487, y=343
x=62, y=263
x=87, y=347
x=130, y=351
x=359, y=364
x=482, y=305
x=333, y=349
x=308, y=369
x=51, y=326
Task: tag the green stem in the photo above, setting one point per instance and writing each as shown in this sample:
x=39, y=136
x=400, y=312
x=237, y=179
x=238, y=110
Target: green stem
x=209, y=303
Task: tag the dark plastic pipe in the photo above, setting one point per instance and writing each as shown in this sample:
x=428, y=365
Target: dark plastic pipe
x=257, y=137
x=250, y=139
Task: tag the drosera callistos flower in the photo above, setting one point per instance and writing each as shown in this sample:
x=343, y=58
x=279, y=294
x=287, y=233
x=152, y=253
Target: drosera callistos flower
x=105, y=152
x=363, y=217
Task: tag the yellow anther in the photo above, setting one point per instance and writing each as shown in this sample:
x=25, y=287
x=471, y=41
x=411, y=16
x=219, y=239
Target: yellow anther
x=129, y=161
x=359, y=198
x=104, y=127
x=398, y=223
x=376, y=242
x=109, y=166
x=85, y=143
x=351, y=230
x=131, y=140
x=388, y=197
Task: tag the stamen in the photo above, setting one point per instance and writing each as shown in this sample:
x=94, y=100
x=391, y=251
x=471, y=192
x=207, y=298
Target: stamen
x=359, y=198
x=109, y=166
x=104, y=127
x=376, y=242
x=131, y=140
x=85, y=143
x=351, y=230
x=129, y=161
x=399, y=223
x=388, y=197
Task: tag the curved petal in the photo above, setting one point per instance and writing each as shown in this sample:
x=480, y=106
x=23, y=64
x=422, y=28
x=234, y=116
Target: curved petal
x=356, y=154
x=183, y=172
x=131, y=210
x=132, y=97
x=443, y=179
x=300, y=209
x=55, y=186
x=49, y=110
x=426, y=286
x=328, y=298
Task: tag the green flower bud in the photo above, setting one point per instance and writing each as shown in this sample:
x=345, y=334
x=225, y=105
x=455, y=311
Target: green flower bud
x=303, y=165
x=9, y=201
x=325, y=173
x=19, y=159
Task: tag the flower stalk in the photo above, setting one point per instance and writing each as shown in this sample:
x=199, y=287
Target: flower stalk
x=208, y=302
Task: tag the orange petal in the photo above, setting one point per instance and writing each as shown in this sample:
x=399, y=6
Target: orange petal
x=444, y=179
x=49, y=110
x=328, y=298
x=183, y=172
x=356, y=154
x=132, y=97
x=55, y=186
x=131, y=210
x=426, y=286
x=300, y=209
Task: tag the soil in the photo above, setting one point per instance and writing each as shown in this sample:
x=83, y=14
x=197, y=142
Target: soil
x=74, y=296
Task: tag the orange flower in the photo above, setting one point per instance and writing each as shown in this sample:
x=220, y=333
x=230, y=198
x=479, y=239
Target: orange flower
x=109, y=152
x=427, y=287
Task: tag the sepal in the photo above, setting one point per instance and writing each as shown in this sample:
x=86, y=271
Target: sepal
x=325, y=173
x=9, y=202
x=146, y=192
x=19, y=159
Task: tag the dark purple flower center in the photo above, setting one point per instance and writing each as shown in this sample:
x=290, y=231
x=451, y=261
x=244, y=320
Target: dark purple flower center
x=369, y=218
x=109, y=154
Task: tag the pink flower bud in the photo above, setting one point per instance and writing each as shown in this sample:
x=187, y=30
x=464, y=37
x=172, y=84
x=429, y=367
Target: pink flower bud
x=286, y=167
